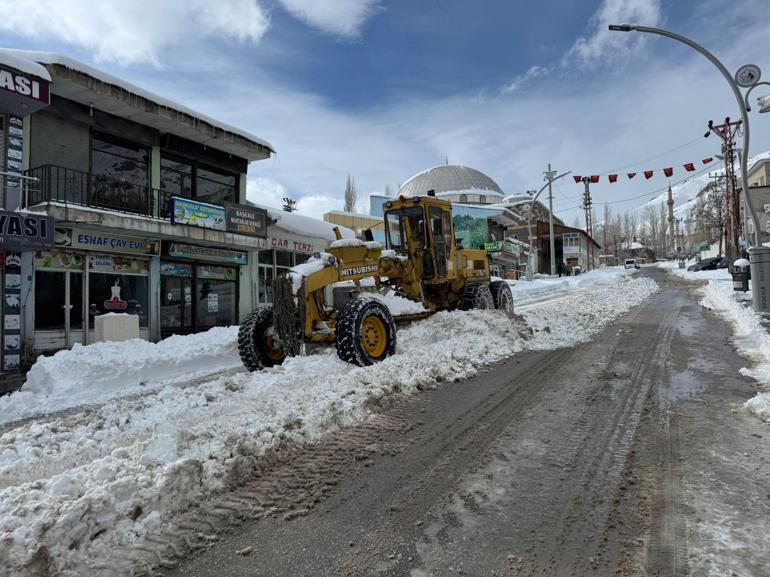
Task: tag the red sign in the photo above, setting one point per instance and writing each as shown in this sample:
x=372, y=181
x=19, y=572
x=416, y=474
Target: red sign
x=22, y=93
x=115, y=304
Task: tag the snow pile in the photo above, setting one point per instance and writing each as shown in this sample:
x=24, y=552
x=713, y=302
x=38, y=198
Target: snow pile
x=311, y=266
x=750, y=336
x=88, y=374
x=346, y=242
x=399, y=305
x=542, y=286
x=77, y=490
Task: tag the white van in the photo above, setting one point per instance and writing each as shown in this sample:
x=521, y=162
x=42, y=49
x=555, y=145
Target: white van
x=631, y=263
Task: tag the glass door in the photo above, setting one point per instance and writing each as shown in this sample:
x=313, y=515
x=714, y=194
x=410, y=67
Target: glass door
x=58, y=309
x=176, y=311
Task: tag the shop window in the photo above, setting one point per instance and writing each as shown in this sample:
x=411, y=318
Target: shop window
x=176, y=178
x=216, y=299
x=118, y=293
x=283, y=258
x=265, y=257
x=265, y=285
x=120, y=174
x=215, y=187
x=299, y=258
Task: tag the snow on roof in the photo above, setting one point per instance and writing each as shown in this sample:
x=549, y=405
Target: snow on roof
x=18, y=62
x=304, y=225
x=52, y=58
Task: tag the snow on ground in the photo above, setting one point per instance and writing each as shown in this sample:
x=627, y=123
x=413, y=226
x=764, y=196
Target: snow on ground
x=102, y=371
x=543, y=287
x=77, y=488
x=750, y=336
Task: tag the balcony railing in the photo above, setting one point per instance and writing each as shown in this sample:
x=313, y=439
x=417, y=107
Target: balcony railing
x=59, y=184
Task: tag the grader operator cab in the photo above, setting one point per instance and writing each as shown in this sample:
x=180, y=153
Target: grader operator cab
x=422, y=262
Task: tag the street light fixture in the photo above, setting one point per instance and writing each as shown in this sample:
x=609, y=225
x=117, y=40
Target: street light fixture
x=747, y=77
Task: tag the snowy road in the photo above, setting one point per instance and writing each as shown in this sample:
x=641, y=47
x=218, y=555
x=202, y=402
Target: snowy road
x=630, y=454
x=116, y=479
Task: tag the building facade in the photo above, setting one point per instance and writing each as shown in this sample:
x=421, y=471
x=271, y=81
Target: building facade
x=146, y=201
x=759, y=190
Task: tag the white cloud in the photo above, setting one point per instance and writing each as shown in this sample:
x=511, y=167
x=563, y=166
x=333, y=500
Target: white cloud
x=603, y=45
x=518, y=83
x=338, y=17
x=265, y=191
x=130, y=31
x=316, y=205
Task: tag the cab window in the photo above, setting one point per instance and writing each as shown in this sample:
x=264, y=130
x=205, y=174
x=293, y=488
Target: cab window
x=396, y=230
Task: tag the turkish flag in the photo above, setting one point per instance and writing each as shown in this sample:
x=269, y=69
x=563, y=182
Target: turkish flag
x=707, y=160
x=689, y=167
x=594, y=179
x=631, y=175
x=648, y=174
x=577, y=179
x=613, y=177
x=668, y=171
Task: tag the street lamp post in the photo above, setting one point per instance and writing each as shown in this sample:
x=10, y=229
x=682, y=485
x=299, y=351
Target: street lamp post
x=550, y=178
x=746, y=77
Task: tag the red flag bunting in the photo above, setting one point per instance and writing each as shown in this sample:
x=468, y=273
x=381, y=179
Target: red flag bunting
x=668, y=171
x=577, y=179
x=689, y=167
x=631, y=175
x=594, y=179
x=648, y=174
x=613, y=177
x=707, y=160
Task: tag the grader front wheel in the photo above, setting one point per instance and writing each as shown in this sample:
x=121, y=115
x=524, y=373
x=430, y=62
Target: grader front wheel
x=502, y=296
x=257, y=344
x=476, y=296
x=365, y=332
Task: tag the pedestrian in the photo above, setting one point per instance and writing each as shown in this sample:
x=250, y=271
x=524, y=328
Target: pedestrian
x=560, y=268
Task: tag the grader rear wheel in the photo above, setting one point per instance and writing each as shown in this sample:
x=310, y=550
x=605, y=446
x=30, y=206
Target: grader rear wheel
x=257, y=344
x=476, y=296
x=365, y=332
x=502, y=296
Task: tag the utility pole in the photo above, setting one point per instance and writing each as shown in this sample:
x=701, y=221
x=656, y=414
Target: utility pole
x=549, y=176
x=727, y=132
x=589, y=222
x=670, y=203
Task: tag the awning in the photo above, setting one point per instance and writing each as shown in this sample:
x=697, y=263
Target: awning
x=25, y=86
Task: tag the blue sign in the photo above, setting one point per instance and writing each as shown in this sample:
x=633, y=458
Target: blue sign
x=185, y=211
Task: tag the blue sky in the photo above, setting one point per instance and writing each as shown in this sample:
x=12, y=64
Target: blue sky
x=383, y=89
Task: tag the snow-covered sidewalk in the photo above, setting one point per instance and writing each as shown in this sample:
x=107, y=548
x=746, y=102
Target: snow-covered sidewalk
x=75, y=487
x=750, y=336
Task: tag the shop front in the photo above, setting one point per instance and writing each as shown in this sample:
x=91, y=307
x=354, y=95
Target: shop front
x=89, y=273
x=287, y=251
x=198, y=288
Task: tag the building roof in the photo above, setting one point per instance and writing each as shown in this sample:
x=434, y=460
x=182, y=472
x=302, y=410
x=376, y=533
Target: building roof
x=450, y=179
x=87, y=85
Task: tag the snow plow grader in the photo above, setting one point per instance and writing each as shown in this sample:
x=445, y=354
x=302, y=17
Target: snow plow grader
x=339, y=296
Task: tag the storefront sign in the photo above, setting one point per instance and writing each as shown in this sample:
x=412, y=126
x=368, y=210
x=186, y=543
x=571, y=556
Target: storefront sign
x=22, y=93
x=289, y=244
x=220, y=255
x=216, y=272
x=176, y=269
x=109, y=263
x=22, y=231
x=185, y=211
x=12, y=313
x=248, y=220
x=502, y=246
x=98, y=240
x=58, y=259
x=14, y=155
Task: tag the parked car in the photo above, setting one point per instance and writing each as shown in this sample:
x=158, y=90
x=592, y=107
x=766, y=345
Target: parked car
x=711, y=263
x=632, y=263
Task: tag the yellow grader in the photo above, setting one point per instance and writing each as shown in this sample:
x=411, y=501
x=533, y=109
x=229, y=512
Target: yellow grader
x=325, y=301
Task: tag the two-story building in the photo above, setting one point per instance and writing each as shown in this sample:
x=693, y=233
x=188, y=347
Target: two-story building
x=150, y=218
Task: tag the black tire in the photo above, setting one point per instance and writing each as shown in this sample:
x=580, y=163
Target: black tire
x=502, y=296
x=255, y=345
x=476, y=296
x=365, y=333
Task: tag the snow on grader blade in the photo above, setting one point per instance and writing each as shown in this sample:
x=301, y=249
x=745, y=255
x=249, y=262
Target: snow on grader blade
x=337, y=296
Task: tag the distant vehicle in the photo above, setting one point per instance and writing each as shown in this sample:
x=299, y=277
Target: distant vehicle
x=631, y=263
x=711, y=263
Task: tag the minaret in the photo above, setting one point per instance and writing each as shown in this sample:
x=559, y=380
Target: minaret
x=671, y=221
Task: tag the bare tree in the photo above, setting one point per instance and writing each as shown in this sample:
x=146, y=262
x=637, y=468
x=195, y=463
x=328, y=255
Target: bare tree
x=350, y=195
x=652, y=223
x=711, y=210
